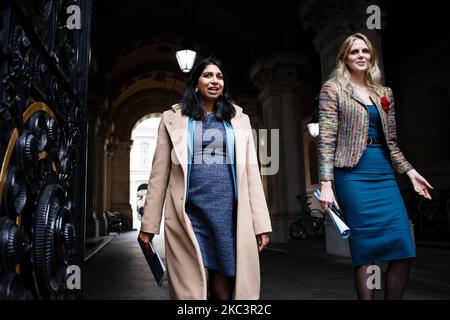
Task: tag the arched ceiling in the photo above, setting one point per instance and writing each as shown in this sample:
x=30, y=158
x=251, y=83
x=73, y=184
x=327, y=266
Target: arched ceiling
x=168, y=82
x=148, y=33
x=133, y=37
x=139, y=106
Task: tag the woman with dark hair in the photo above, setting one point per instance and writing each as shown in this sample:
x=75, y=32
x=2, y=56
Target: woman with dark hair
x=358, y=150
x=206, y=173
x=216, y=95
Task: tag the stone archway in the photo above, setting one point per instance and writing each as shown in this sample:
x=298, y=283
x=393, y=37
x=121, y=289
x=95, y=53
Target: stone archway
x=137, y=69
x=152, y=100
x=142, y=79
x=144, y=136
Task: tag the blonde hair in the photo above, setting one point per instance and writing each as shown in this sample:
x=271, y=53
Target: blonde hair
x=341, y=73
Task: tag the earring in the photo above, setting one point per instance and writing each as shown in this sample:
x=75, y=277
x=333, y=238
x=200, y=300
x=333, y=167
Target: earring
x=196, y=90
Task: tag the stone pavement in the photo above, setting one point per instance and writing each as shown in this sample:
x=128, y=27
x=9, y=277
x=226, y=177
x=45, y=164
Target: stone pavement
x=297, y=270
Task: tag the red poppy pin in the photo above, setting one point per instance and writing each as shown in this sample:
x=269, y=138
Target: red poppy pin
x=385, y=104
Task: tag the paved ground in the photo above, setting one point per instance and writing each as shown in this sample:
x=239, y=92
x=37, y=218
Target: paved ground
x=297, y=270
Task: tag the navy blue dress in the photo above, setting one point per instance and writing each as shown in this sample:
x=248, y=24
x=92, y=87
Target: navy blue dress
x=210, y=203
x=372, y=204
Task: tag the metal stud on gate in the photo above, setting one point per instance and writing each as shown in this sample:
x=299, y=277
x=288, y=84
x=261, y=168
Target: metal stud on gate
x=27, y=150
x=12, y=288
x=15, y=192
x=13, y=245
x=53, y=239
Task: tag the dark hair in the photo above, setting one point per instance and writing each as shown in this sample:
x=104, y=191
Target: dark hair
x=190, y=103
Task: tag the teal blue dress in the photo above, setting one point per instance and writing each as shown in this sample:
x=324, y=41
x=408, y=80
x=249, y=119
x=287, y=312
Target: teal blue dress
x=372, y=204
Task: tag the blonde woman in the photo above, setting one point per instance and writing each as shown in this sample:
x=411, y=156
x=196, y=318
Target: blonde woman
x=358, y=150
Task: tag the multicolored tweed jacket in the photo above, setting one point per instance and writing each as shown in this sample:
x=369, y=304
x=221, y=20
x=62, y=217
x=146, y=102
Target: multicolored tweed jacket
x=344, y=127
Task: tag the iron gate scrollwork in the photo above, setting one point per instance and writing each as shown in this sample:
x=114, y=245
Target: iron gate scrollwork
x=43, y=88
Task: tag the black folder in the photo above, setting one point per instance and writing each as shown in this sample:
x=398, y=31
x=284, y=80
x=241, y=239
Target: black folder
x=154, y=261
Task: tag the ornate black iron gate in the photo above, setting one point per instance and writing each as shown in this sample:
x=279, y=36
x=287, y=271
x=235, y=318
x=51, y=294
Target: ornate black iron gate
x=44, y=58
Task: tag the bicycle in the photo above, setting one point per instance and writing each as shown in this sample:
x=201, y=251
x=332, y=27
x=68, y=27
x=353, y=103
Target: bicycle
x=310, y=222
x=430, y=217
x=115, y=221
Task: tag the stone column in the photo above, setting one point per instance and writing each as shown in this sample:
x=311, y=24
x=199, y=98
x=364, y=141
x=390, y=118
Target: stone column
x=277, y=78
x=91, y=219
x=110, y=147
x=252, y=108
x=101, y=133
x=332, y=21
x=120, y=180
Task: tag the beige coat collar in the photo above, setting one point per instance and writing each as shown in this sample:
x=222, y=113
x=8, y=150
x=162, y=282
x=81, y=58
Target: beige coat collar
x=176, y=124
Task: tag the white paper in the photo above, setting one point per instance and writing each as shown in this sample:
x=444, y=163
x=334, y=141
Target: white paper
x=313, y=129
x=343, y=229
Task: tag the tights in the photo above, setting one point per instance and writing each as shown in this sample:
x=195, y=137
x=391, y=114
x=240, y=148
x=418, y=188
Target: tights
x=221, y=287
x=397, y=276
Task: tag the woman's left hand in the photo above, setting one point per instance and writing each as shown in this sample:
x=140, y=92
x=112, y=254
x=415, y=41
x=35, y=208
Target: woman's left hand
x=419, y=183
x=263, y=241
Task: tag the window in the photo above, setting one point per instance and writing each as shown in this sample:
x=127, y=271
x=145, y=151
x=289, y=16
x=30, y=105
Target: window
x=145, y=155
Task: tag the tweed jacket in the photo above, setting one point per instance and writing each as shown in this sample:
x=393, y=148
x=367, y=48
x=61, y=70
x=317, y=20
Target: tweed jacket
x=344, y=127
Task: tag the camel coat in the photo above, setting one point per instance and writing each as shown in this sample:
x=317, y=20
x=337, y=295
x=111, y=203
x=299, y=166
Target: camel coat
x=167, y=188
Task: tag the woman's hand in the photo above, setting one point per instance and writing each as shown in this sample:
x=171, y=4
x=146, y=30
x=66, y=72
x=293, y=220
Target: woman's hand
x=327, y=196
x=146, y=238
x=263, y=241
x=419, y=183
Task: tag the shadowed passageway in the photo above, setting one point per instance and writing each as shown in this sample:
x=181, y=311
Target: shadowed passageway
x=297, y=270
